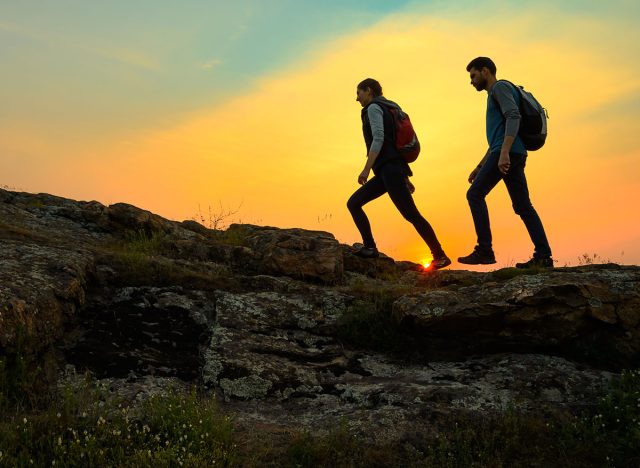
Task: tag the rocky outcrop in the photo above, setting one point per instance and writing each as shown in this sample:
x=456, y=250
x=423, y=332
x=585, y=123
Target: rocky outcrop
x=297, y=253
x=272, y=320
x=588, y=313
x=134, y=332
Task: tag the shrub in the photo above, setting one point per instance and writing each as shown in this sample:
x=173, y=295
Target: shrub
x=88, y=427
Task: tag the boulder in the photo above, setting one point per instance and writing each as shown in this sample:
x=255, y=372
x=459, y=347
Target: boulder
x=297, y=253
x=589, y=313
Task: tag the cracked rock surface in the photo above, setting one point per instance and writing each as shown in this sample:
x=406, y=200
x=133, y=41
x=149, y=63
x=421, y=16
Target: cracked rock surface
x=257, y=315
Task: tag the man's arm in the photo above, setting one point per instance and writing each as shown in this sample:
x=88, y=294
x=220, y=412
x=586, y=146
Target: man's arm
x=376, y=120
x=504, y=97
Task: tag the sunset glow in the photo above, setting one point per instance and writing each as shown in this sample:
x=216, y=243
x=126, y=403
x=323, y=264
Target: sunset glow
x=211, y=104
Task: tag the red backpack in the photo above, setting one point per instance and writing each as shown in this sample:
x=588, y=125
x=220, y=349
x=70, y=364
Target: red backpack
x=405, y=136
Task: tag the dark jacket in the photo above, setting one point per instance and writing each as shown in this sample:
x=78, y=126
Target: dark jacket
x=388, y=152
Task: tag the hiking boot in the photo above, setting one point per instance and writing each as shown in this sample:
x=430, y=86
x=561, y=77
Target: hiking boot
x=366, y=252
x=478, y=257
x=537, y=262
x=440, y=262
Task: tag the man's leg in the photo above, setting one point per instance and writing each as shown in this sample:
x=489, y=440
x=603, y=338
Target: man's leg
x=516, y=183
x=487, y=178
x=373, y=189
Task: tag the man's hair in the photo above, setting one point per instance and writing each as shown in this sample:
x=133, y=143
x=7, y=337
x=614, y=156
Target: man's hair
x=371, y=84
x=482, y=62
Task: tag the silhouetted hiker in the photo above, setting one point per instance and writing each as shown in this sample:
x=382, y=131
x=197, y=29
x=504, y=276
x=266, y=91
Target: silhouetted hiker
x=505, y=159
x=391, y=174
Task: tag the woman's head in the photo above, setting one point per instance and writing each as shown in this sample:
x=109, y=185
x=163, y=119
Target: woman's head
x=367, y=90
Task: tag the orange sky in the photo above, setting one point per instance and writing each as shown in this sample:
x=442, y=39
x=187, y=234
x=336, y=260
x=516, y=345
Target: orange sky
x=288, y=149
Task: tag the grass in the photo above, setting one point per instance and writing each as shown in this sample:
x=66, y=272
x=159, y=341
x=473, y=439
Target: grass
x=143, y=242
x=591, y=259
x=12, y=232
x=141, y=259
x=24, y=371
x=607, y=435
x=367, y=323
x=86, y=425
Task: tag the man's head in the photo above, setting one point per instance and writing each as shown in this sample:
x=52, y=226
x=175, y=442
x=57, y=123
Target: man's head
x=482, y=72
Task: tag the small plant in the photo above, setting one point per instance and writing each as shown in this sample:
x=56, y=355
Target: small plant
x=325, y=218
x=334, y=449
x=591, y=259
x=217, y=220
x=615, y=426
x=143, y=242
x=89, y=427
x=21, y=377
x=368, y=323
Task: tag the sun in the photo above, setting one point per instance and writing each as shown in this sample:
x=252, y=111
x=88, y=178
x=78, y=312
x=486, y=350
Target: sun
x=426, y=263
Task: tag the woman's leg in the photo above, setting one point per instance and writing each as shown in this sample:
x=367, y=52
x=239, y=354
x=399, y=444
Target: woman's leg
x=395, y=183
x=373, y=189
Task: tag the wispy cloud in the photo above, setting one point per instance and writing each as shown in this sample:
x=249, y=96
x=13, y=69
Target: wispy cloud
x=210, y=64
x=125, y=55
x=133, y=57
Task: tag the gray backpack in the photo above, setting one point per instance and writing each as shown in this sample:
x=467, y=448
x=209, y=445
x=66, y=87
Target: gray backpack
x=533, y=123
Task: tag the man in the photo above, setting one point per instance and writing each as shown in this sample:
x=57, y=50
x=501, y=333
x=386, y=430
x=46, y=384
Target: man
x=505, y=159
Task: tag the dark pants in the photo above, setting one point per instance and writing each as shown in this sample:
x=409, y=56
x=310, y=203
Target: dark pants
x=516, y=182
x=391, y=179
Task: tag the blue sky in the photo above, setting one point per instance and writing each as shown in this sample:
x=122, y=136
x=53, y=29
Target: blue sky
x=168, y=105
x=65, y=59
x=131, y=64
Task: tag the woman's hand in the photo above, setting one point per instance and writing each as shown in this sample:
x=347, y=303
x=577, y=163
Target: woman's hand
x=473, y=174
x=364, y=175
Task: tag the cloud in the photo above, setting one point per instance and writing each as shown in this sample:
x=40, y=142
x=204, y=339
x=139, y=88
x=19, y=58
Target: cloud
x=125, y=55
x=210, y=64
x=291, y=147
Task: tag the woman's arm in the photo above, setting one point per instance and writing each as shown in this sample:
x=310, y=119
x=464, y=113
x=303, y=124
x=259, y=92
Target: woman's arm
x=376, y=120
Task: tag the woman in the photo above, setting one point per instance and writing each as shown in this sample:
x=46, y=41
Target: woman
x=391, y=174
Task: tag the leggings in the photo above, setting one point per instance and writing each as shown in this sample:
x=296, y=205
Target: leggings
x=391, y=179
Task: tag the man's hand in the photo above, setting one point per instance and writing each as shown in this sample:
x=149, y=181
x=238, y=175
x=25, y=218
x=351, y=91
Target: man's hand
x=364, y=175
x=473, y=174
x=504, y=162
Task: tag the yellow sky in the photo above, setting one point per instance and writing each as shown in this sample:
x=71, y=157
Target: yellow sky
x=289, y=150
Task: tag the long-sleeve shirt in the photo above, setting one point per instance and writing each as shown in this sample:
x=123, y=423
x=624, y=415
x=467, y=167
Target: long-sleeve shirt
x=378, y=131
x=376, y=120
x=503, y=117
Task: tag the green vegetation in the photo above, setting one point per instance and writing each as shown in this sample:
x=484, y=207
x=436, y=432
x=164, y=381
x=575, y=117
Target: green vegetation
x=606, y=436
x=12, y=232
x=139, y=269
x=142, y=259
x=216, y=219
x=143, y=242
x=368, y=323
x=591, y=259
x=86, y=425
x=22, y=374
